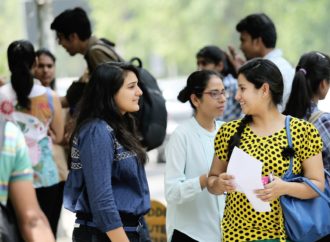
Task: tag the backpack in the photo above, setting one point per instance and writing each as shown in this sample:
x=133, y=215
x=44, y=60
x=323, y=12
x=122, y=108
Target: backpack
x=152, y=117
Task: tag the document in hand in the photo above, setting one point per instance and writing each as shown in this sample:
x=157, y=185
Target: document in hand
x=247, y=172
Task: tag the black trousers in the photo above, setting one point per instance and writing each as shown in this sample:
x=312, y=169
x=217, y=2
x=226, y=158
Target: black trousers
x=181, y=237
x=88, y=234
x=50, y=200
x=324, y=239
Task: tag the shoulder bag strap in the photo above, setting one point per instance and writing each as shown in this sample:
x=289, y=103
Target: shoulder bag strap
x=301, y=178
x=288, y=135
x=108, y=50
x=315, y=188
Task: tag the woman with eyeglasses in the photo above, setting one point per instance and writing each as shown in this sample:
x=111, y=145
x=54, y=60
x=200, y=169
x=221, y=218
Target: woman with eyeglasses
x=193, y=214
x=310, y=84
x=261, y=134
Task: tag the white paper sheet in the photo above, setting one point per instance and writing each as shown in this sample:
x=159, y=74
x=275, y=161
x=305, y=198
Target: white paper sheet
x=247, y=172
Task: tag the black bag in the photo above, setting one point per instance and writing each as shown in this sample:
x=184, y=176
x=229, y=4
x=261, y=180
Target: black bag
x=8, y=227
x=152, y=116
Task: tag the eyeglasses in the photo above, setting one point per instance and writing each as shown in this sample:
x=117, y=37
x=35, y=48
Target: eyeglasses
x=217, y=94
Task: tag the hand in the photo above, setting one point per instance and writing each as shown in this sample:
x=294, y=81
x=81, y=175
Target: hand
x=203, y=181
x=226, y=182
x=235, y=59
x=272, y=190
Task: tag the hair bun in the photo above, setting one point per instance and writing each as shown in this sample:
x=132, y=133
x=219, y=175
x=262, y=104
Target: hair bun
x=183, y=95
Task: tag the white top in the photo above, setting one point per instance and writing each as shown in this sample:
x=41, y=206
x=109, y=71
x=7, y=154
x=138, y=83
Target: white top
x=8, y=91
x=287, y=72
x=191, y=210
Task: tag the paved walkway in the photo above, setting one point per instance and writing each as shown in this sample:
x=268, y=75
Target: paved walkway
x=155, y=174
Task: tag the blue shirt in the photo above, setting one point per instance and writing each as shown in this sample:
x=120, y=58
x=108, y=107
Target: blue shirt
x=105, y=178
x=233, y=109
x=323, y=126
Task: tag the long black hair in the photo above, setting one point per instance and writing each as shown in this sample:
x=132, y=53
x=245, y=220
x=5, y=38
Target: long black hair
x=21, y=57
x=312, y=69
x=196, y=84
x=98, y=102
x=258, y=71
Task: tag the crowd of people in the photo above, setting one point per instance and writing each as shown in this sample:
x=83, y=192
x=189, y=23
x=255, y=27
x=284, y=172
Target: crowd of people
x=91, y=160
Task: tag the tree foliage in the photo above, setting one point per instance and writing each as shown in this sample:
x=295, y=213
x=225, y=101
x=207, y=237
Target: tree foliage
x=173, y=31
x=166, y=34
x=11, y=29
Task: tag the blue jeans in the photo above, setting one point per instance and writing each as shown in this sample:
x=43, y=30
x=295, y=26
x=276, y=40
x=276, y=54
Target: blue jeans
x=90, y=234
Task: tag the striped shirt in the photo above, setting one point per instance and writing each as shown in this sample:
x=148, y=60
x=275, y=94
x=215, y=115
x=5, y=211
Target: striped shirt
x=323, y=126
x=14, y=160
x=233, y=109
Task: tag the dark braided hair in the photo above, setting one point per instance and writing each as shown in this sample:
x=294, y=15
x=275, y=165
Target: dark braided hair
x=235, y=140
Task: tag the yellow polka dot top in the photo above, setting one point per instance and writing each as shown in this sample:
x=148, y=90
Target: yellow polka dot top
x=241, y=222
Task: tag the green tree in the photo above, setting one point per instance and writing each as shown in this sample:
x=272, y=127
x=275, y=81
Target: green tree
x=11, y=25
x=175, y=30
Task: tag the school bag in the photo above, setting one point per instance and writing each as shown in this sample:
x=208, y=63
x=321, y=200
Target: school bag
x=152, y=117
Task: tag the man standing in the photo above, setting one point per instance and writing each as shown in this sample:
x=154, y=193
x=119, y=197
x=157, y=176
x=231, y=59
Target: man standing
x=74, y=33
x=258, y=39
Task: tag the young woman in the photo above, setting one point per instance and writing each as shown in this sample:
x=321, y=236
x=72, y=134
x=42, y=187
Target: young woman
x=193, y=214
x=311, y=84
x=36, y=111
x=45, y=73
x=261, y=134
x=107, y=186
x=45, y=70
x=213, y=58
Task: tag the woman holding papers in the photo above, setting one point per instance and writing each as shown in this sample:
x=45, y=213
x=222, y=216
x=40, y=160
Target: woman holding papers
x=193, y=214
x=261, y=134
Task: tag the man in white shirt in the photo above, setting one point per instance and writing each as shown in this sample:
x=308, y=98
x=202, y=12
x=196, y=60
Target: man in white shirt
x=258, y=39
